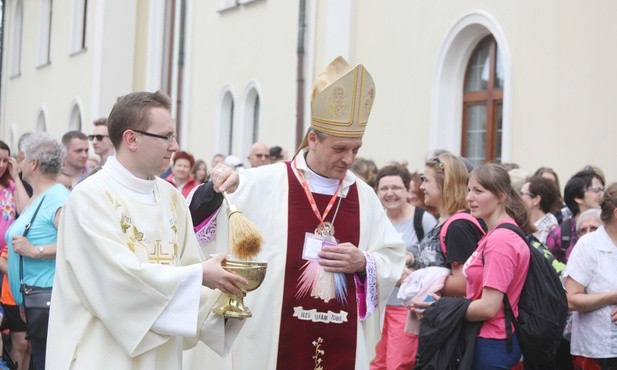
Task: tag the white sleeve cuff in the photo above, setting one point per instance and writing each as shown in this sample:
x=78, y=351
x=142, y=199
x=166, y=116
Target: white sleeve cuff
x=180, y=316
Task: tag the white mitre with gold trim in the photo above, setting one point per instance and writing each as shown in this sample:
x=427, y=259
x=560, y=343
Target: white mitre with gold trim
x=341, y=101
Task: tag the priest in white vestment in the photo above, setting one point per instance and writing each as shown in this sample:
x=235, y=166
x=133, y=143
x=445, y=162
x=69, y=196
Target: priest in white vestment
x=333, y=256
x=129, y=288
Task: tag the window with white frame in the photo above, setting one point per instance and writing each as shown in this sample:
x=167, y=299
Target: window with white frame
x=78, y=34
x=226, y=124
x=45, y=32
x=75, y=119
x=250, y=121
x=256, y=108
x=18, y=17
x=41, y=122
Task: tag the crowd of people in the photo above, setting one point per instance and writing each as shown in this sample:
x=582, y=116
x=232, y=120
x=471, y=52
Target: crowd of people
x=132, y=243
x=487, y=262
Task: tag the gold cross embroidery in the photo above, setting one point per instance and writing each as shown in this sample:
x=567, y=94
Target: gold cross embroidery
x=160, y=257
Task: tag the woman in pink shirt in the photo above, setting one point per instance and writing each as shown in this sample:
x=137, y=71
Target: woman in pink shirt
x=498, y=266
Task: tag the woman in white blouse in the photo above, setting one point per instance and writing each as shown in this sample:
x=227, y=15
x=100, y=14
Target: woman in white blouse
x=591, y=284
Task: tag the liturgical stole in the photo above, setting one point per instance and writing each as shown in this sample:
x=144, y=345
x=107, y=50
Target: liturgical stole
x=316, y=334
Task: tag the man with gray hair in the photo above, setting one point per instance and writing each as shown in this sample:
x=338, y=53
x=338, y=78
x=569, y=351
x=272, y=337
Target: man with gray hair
x=333, y=255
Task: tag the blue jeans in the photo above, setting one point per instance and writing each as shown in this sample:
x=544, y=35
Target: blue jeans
x=493, y=354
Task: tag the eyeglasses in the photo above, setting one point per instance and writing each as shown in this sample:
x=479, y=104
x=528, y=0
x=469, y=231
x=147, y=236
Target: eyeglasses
x=169, y=138
x=530, y=195
x=597, y=190
x=262, y=156
x=393, y=188
x=97, y=137
x=585, y=230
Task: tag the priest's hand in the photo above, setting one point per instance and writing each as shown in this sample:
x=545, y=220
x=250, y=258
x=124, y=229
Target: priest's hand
x=344, y=257
x=224, y=178
x=216, y=277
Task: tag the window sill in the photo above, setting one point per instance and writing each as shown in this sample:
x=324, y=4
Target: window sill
x=77, y=52
x=249, y=2
x=43, y=65
x=228, y=9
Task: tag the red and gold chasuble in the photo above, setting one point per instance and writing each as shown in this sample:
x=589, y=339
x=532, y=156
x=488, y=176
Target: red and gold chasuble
x=316, y=334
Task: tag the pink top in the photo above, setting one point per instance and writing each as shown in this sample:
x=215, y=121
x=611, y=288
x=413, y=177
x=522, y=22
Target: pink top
x=506, y=262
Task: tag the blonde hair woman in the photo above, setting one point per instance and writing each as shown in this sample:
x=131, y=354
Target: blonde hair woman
x=444, y=184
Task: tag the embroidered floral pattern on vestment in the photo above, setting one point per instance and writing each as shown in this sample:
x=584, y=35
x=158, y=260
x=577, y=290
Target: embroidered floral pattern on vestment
x=318, y=353
x=372, y=296
x=135, y=239
x=206, y=231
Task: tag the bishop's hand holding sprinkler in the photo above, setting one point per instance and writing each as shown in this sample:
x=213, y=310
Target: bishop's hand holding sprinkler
x=244, y=244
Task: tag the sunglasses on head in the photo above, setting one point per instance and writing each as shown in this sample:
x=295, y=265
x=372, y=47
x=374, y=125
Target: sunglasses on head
x=97, y=137
x=439, y=163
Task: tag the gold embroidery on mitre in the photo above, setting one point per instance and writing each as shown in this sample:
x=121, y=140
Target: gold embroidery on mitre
x=368, y=104
x=337, y=102
x=342, y=99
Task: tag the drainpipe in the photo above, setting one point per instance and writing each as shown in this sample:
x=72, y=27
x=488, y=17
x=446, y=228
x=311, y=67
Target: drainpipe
x=300, y=75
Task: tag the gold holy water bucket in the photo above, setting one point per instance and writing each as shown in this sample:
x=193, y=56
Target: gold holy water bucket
x=233, y=305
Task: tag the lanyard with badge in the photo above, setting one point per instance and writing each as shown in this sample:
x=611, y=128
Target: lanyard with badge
x=324, y=232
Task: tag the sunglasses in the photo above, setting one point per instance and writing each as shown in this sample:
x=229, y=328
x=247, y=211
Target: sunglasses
x=97, y=137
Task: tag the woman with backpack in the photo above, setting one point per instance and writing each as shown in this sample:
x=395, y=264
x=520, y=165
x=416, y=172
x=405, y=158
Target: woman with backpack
x=457, y=233
x=591, y=284
x=498, y=267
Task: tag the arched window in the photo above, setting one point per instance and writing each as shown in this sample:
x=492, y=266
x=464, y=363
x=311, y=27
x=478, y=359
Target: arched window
x=75, y=119
x=483, y=104
x=41, y=122
x=256, y=107
x=45, y=32
x=226, y=123
x=78, y=34
x=251, y=114
x=17, y=38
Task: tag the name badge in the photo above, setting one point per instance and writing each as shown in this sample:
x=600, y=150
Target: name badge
x=313, y=244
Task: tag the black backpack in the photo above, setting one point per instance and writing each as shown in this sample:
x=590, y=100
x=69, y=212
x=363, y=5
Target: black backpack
x=542, y=310
x=566, y=230
x=417, y=223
